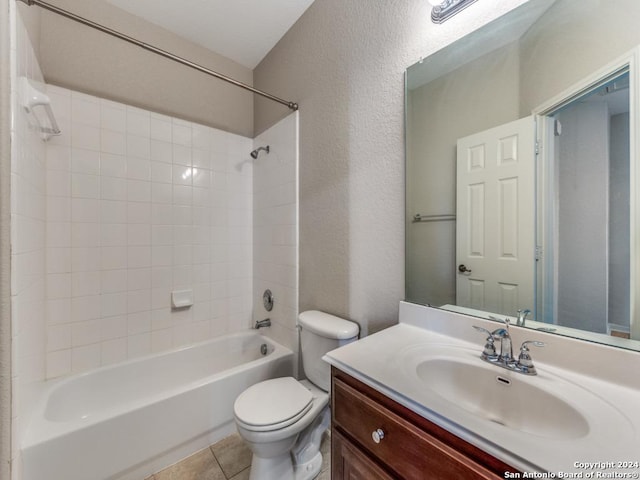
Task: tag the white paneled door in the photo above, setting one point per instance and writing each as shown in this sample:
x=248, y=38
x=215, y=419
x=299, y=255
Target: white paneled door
x=495, y=218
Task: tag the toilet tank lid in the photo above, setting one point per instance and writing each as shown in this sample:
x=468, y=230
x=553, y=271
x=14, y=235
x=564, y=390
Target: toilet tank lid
x=327, y=325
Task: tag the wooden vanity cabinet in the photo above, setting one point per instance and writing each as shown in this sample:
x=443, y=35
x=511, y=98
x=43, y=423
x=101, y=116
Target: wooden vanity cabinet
x=411, y=447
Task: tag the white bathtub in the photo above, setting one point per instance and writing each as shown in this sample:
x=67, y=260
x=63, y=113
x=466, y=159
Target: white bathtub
x=132, y=419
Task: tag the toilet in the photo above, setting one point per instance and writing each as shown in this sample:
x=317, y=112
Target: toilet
x=282, y=420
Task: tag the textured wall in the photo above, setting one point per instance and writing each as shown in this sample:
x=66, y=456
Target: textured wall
x=343, y=62
x=85, y=60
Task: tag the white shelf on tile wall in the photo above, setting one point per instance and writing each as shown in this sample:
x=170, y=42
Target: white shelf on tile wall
x=182, y=298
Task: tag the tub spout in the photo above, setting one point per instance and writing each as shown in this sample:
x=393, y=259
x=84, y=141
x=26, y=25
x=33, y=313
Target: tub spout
x=262, y=323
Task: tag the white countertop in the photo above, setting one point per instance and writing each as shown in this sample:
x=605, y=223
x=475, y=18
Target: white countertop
x=611, y=406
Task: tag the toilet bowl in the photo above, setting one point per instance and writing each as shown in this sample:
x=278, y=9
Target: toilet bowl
x=282, y=420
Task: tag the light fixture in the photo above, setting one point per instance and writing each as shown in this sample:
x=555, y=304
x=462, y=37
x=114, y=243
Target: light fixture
x=445, y=9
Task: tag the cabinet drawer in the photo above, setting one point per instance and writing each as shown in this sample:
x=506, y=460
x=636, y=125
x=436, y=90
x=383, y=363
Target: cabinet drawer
x=406, y=450
x=348, y=463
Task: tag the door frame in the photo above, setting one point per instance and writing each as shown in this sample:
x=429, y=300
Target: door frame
x=546, y=277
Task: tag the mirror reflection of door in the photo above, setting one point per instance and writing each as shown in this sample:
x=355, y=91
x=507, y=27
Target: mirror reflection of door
x=495, y=218
x=587, y=242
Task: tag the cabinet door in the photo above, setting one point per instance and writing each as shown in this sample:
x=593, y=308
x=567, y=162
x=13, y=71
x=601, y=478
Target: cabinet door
x=406, y=450
x=348, y=463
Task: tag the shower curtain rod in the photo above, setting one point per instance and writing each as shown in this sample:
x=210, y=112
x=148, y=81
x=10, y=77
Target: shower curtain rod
x=158, y=51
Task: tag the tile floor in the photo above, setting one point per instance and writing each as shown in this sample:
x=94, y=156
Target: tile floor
x=229, y=459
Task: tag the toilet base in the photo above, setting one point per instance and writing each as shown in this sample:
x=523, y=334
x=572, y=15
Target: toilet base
x=309, y=470
x=282, y=468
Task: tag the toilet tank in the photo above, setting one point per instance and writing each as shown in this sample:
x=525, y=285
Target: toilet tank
x=320, y=333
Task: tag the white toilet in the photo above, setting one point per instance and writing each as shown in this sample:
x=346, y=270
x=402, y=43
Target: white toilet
x=282, y=420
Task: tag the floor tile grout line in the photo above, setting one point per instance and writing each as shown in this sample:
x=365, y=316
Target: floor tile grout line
x=218, y=461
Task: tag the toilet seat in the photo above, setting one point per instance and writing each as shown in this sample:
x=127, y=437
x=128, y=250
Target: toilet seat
x=272, y=404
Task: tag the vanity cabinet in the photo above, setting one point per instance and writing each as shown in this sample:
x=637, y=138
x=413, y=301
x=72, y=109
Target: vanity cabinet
x=374, y=437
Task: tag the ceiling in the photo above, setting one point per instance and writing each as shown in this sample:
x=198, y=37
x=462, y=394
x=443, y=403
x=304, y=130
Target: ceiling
x=242, y=30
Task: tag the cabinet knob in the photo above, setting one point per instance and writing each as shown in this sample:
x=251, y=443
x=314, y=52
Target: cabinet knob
x=377, y=435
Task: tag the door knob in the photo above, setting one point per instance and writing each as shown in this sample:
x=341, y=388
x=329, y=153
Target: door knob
x=463, y=269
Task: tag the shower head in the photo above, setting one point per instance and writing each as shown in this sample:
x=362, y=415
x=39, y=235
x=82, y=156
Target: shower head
x=255, y=153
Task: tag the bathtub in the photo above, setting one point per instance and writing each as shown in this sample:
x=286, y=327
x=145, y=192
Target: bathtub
x=132, y=419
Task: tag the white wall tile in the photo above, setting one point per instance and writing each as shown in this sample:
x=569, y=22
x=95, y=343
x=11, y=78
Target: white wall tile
x=114, y=258
x=113, y=211
x=114, y=281
x=113, y=327
x=274, y=220
x=114, y=351
x=161, y=151
x=138, y=345
x=138, y=147
x=113, y=142
x=84, y=161
x=138, y=212
x=113, y=165
x=58, y=260
x=85, y=186
x=58, y=363
x=58, y=183
x=181, y=134
x=181, y=155
x=139, y=204
x=84, y=136
x=138, y=191
x=138, y=279
x=160, y=128
x=85, y=358
x=114, y=234
x=113, y=304
x=161, y=172
x=85, y=283
x=85, y=308
x=139, y=122
x=113, y=188
x=112, y=116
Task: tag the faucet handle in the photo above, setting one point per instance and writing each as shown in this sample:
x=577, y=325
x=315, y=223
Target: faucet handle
x=489, y=347
x=535, y=343
x=525, y=362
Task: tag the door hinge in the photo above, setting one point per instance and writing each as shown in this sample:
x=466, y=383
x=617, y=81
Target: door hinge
x=538, y=253
x=537, y=146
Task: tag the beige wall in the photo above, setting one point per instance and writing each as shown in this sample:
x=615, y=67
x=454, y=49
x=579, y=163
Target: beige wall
x=343, y=62
x=592, y=34
x=82, y=59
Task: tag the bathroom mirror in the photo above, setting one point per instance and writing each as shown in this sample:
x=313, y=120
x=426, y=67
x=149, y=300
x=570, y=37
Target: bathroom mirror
x=521, y=171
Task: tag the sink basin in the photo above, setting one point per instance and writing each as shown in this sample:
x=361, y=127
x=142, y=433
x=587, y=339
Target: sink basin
x=461, y=387
x=502, y=397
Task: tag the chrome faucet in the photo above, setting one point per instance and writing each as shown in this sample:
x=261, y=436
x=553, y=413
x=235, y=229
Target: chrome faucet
x=505, y=359
x=522, y=317
x=506, y=347
x=262, y=323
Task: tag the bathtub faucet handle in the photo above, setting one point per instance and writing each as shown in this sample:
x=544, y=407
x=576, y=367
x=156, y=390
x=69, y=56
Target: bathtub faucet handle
x=262, y=323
